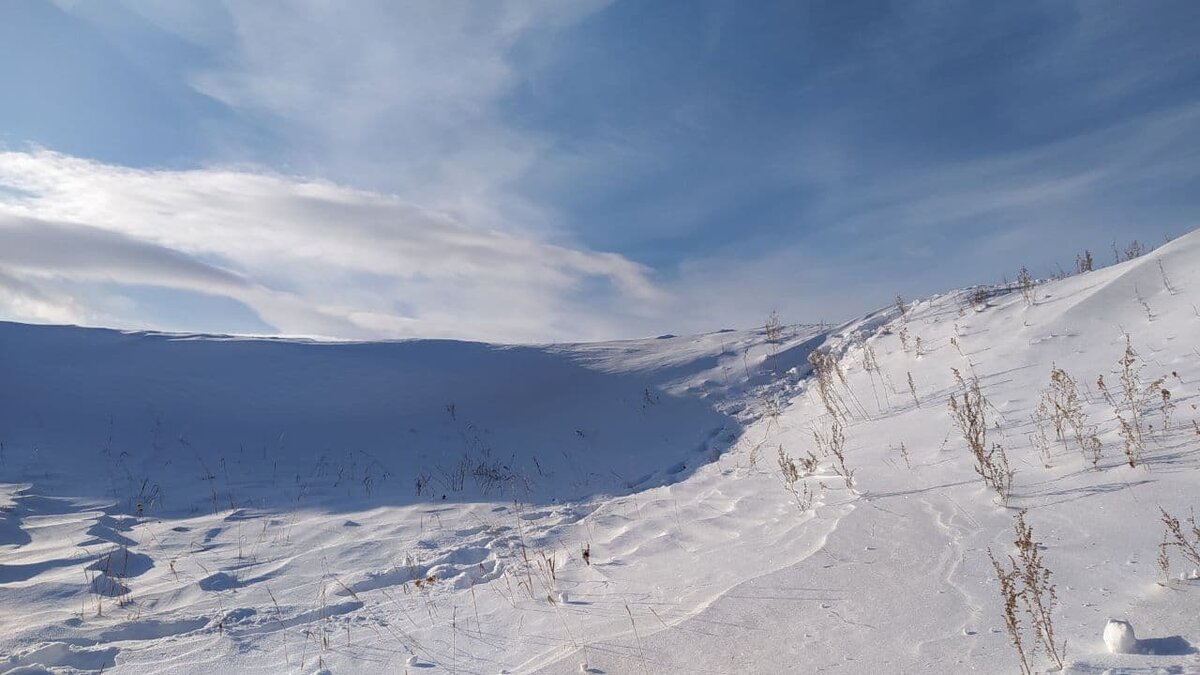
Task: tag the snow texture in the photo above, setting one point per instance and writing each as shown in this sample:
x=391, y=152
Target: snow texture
x=197, y=503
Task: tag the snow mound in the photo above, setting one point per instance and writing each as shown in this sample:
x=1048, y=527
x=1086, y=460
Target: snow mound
x=1119, y=637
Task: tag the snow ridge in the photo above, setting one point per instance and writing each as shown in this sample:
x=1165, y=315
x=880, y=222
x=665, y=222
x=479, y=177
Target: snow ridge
x=186, y=503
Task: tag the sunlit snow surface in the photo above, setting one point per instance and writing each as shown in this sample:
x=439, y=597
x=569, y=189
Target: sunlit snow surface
x=177, y=503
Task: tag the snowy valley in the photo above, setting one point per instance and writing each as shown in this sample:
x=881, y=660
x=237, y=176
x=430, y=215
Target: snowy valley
x=789, y=499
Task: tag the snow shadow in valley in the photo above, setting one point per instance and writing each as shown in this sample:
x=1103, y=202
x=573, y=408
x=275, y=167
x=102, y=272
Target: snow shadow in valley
x=180, y=424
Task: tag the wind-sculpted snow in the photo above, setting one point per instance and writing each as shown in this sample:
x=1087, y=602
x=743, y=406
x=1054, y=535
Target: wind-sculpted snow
x=353, y=419
x=236, y=489
x=186, y=504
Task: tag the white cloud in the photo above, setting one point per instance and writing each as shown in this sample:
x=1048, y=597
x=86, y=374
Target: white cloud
x=309, y=257
x=400, y=100
x=398, y=97
x=407, y=101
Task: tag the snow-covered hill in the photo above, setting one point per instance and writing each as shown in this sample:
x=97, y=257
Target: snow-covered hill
x=186, y=503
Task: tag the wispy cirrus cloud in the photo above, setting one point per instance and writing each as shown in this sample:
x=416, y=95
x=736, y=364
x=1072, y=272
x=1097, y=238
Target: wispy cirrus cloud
x=816, y=158
x=400, y=101
x=390, y=96
x=308, y=257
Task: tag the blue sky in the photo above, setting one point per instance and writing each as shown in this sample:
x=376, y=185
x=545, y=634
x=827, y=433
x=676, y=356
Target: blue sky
x=560, y=171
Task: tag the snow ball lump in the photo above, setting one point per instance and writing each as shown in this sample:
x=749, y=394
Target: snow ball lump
x=1119, y=637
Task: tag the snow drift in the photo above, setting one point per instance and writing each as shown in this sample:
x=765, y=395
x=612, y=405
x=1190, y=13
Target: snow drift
x=191, y=503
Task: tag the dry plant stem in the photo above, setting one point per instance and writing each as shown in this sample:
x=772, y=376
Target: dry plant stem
x=1025, y=284
x=833, y=444
x=1166, y=281
x=1061, y=406
x=1144, y=304
x=902, y=333
x=1041, y=440
x=912, y=389
x=636, y=634
x=991, y=463
x=871, y=365
x=1135, y=399
x=1039, y=593
x=1167, y=407
x=1008, y=578
x=773, y=329
x=978, y=297
x=1084, y=262
x=1025, y=584
x=792, y=474
x=1176, y=537
x=825, y=369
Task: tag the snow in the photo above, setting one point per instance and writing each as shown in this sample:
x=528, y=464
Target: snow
x=1119, y=637
x=191, y=503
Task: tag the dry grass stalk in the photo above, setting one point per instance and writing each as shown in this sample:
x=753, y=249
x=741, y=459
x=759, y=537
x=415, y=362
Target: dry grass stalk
x=1025, y=284
x=1166, y=281
x=1145, y=305
x=1133, y=250
x=636, y=634
x=978, y=297
x=1008, y=577
x=1166, y=407
x=1084, y=262
x=1065, y=410
x=870, y=363
x=967, y=407
x=1025, y=583
x=826, y=369
x=793, y=474
x=773, y=328
x=912, y=389
x=1041, y=440
x=833, y=444
x=902, y=333
x=1176, y=537
x=1135, y=399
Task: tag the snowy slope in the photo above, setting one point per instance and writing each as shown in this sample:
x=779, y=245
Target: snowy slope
x=199, y=504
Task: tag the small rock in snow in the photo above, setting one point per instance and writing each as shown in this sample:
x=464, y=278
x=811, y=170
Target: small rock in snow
x=1119, y=637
